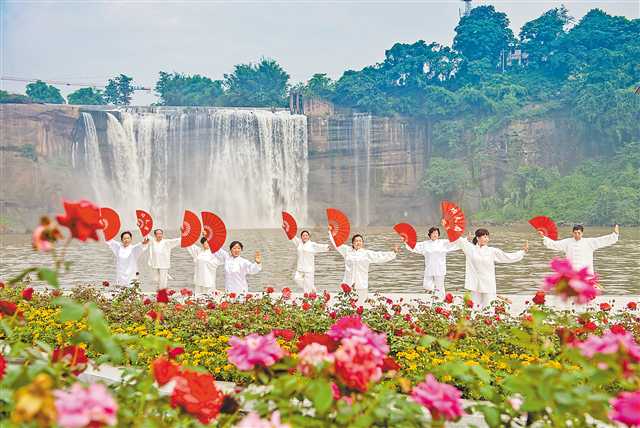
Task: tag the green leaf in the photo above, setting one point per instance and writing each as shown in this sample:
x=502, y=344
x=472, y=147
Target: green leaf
x=320, y=393
x=491, y=416
x=21, y=275
x=49, y=276
x=71, y=311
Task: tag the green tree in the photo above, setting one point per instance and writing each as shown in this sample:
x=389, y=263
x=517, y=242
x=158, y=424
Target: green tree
x=8, y=98
x=538, y=37
x=43, y=93
x=87, y=96
x=257, y=85
x=119, y=90
x=183, y=90
x=444, y=179
x=320, y=85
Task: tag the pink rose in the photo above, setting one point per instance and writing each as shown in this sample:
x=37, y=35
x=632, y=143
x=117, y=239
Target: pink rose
x=625, y=408
x=254, y=350
x=442, y=400
x=79, y=407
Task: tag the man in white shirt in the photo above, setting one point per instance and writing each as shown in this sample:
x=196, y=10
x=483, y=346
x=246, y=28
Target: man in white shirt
x=579, y=250
x=160, y=257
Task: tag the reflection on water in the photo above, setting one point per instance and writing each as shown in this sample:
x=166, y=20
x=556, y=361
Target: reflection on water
x=618, y=266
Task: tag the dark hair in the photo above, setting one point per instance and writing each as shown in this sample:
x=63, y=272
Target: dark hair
x=479, y=233
x=203, y=240
x=433, y=229
x=155, y=230
x=126, y=232
x=578, y=227
x=357, y=235
x=233, y=244
x=305, y=231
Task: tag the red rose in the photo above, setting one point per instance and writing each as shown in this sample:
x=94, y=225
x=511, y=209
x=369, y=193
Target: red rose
x=539, y=299
x=82, y=218
x=56, y=293
x=618, y=329
x=186, y=292
x=224, y=305
x=632, y=306
x=211, y=305
x=171, y=292
x=286, y=334
x=146, y=301
x=333, y=314
x=201, y=314
x=74, y=357
x=487, y=321
x=398, y=332
x=407, y=318
x=591, y=326
x=469, y=303
x=154, y=315
x=565, y=335
x=386, y=316
x=277, y=310
x=174, y=352
x=360, y=310
x=269, y=290
x=313, y=296
x=1, y=284
x=162, y=296
x=389, y=364
x=164, y=370
x=3, y=366
x=605, y=307
x=286, y=293
x=7, y=307
x=345, y=288
x=306, y=306
x=326, y=296
x=105, y=283
x=322, y=339
x=238, y=324
x=232, y=295
x=178, y=307
x=445, y=313
x=27, y=293
x=448, y=298
x=196, y=394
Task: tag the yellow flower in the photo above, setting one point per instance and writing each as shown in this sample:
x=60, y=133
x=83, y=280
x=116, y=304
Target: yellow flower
x=447, y=378
x=34, y=402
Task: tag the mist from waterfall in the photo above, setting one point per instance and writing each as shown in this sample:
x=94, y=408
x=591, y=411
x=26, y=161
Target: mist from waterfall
x=361, y=140
x=245, y=165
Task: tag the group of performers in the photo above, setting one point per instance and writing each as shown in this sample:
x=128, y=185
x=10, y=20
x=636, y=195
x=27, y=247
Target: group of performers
x=480, y=278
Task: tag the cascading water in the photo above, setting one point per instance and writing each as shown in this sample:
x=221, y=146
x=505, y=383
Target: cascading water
x=245, y=165
x=362, y=169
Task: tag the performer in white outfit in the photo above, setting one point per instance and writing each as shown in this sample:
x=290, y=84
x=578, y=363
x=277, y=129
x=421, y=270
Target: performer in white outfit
x=127, y=255
x=579, y=250
x=305, y=266
x=160, y=257
x=356, y=263
x=480, y=268
x=237, y=268
x=205, y=266
x=435, y=252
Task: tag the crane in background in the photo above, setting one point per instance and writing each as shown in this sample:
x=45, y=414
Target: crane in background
x=58, y=82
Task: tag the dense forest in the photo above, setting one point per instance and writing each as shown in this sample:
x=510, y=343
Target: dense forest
x=586, y=71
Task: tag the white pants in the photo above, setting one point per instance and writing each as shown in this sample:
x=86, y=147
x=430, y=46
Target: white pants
x=201, y=290
x=305, y=280
x=435, y=285
x=363, y=294
x=160, y=278
x=482, y=300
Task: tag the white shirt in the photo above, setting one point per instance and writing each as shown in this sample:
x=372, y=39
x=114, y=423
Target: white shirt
x=206, y=265
x=435, y=255
x=480, y=268
x=306, y=254
x=236, y=270
x=126, y=260
x=356, y=263
x=160, y=252
x=580, y=252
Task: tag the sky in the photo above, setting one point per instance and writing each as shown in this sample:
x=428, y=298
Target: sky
x=86, y=41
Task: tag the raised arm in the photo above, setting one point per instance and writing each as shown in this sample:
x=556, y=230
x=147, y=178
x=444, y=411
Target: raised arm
x=222, y=255
x=114, y=246
x=380, y=256
x=252, y=268
x=295, y=240
x=194, y=251
x=172, y=243
x=319, y=248
x=464, y=244
x=554, y=245
x=342, y=249
x=502, y=257
x=449, y=246
x=140, y=247
x=417, y=250
x=603, y=241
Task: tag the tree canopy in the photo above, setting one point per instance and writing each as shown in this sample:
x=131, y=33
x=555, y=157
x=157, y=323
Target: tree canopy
x=183, y=90
x=87, y=96
x=41, y=92
x=257, y=85
x=119, y=90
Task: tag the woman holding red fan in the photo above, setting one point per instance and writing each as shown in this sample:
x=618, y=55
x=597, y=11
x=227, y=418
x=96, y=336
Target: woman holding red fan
x=127, y=256
x=356, y=263
x=305, y=266
x=480, y=268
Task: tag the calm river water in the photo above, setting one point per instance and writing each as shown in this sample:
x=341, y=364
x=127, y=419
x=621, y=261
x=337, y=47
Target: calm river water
x=618, y=266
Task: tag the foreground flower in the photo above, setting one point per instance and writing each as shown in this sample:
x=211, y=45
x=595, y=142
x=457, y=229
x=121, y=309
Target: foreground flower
x=286, y=334
x=351, y=326
x=357, y=363
x=254, y=350
x=610, y=343
x=34, y=403
x=538, y=299
x=313, y=356
x=196, y=394
x=7, y=307
x=82, y=218
x=162, y=296
x=3, y=366
x=253, y=420
x=570, y=283
x=442, y=400
x=81, y=407
x=27, y=293
x=625, y=408
x=323, y=339
x=164, y=370
x=45, y=235
x=74, y=357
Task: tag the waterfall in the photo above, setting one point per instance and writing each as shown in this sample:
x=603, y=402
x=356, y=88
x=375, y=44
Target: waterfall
x=245, y=165
x=89, y=154
x=361, y=139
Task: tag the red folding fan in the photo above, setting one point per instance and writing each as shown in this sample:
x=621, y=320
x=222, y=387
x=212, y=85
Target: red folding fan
x=191, y=229
x=339, y=224
x=454, y=220
x=289, y=225
x=110, y=221
x=546, y=226
x=214, y=230
x=145, y=222
x=408, y=233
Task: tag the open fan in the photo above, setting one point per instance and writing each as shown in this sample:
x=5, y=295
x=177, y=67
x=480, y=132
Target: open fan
x=214, y=230
x=546, y=226
x=408, y=233
x=145, y=222
x=339, y=224
x=289, y=225
x=453, y=220
x=110, y=221
x=191, y=229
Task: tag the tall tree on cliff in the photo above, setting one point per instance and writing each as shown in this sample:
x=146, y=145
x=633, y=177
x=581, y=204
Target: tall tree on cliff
x=482, y=37
x=539, y=37
x=320, y=85
x=119, y=90
x=87, y=96
x=183, y=90
x=43, y=93
x=257, y=85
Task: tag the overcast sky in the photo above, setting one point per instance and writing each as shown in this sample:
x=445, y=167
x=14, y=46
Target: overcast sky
x=89, y=41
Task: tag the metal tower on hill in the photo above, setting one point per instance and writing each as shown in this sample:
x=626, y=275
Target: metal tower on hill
x=467, y=8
